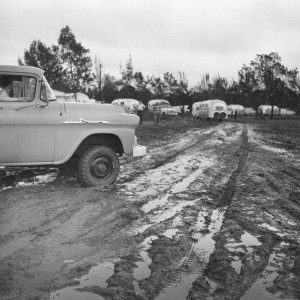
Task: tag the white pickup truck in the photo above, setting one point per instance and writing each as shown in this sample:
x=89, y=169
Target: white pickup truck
x=36, y=129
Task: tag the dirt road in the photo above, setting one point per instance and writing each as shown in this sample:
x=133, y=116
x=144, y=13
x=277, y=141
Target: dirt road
x=211, y=212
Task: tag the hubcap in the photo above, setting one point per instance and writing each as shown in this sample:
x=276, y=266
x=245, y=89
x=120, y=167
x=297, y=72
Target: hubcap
x=101, y=167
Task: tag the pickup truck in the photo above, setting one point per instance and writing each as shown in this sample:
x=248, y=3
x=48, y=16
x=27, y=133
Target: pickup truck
x=38, y=130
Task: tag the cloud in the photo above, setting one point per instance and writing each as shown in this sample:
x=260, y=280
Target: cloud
x=192, y=36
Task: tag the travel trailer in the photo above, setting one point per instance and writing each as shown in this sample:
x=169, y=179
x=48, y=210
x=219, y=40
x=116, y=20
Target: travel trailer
x=265, y=110
x=232, y=108
x=210, y=109
x=283, y=111
x=166, y=108
x=249, y=111
x=290, y=112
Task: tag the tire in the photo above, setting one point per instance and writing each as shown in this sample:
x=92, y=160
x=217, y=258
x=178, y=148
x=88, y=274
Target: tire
x=98, y=165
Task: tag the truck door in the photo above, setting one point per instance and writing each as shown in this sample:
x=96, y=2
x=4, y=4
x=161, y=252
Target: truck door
x=26, y=127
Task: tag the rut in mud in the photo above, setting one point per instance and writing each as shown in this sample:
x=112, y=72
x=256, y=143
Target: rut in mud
x=212, y=213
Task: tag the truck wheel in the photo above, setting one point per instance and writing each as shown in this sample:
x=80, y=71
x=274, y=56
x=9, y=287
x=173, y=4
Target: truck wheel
x=99, y=165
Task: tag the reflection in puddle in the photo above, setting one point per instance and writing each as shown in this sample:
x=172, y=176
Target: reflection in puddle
x=14, y=245
x=203, y=248
x=142, y=270
x=259, y=289
x=205, y=244
x=248, y=240
x=158, y=218
x=170, y=233
x=96, y=277
x=69, y=293
x=236, y=264
x=180, y=290
x=269, y=227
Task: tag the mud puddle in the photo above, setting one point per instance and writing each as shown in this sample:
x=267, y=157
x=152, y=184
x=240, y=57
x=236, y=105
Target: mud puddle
x=15, y=245
x=193, y=265
x=74, y=252
x=142, y=270
x=259, y=289
x=96, y=277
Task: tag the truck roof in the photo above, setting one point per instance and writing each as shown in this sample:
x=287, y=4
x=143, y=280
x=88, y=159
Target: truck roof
x=21, y=69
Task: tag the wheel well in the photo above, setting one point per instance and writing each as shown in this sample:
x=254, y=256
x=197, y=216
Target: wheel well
x=109, y=140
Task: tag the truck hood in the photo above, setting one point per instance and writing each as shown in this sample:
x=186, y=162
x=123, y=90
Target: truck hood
x=75, y=112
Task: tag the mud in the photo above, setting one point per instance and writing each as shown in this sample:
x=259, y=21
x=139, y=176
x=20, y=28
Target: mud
x=211, y=212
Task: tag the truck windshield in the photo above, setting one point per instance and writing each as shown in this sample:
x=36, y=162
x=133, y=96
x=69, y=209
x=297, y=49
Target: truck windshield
x=46, y=91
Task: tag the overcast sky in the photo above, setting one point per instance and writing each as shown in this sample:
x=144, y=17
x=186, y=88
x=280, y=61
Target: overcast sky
x=192, y=36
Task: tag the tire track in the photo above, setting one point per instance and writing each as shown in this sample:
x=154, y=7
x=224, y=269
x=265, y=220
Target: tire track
x=231, y=185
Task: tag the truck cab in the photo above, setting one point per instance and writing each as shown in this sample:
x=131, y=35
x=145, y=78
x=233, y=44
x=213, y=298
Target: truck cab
x=36, y=129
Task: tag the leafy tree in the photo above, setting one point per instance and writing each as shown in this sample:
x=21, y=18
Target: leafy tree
x=76, y=62
x=127, y=74
x=142, y=92
x=46, y=58
x=269, y=77
x=219, y=87
x=110, y=88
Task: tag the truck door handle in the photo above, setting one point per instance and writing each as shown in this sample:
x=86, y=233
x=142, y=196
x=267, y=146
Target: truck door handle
x=1, y=107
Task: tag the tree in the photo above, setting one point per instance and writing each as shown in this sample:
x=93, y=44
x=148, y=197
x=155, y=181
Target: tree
x=67, y=66
x=219, y=87
x=46, y=58
x=110, y=89
x=127, y=74
x=75, y=61
x=267, y=75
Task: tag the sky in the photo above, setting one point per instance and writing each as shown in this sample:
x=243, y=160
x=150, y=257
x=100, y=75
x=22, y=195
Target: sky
x=191, y=36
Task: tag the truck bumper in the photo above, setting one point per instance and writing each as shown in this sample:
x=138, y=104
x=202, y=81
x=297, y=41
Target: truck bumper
x=139, y=150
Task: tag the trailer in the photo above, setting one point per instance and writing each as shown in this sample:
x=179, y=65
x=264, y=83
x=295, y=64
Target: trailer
x=249, y=111
x=239, y=109
x=266, y=110
x=210, y=109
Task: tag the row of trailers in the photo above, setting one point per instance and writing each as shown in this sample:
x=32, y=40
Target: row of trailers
x=218, y=109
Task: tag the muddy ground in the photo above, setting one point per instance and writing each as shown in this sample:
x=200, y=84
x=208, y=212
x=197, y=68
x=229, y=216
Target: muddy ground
x=211, y=212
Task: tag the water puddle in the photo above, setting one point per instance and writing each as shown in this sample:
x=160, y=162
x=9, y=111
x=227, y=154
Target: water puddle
x=178, y=175
x=170, y=233
x=259, y=289
x=269, y=227
x=180, y=290
x=74, y=252
x=236, y=264
x=96, y=277
x=15, y=245
x=205, y=244
x=272, y=149
x=161, y=217
x=203, y=248
x=142, y=270
x=248, y=240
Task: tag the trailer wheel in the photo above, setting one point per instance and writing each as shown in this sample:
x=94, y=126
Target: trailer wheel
x=99, y=165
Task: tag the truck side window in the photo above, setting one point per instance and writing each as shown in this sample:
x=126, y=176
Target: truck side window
x=16, y=88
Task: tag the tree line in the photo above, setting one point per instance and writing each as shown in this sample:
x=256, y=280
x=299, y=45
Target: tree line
x=69, y=68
